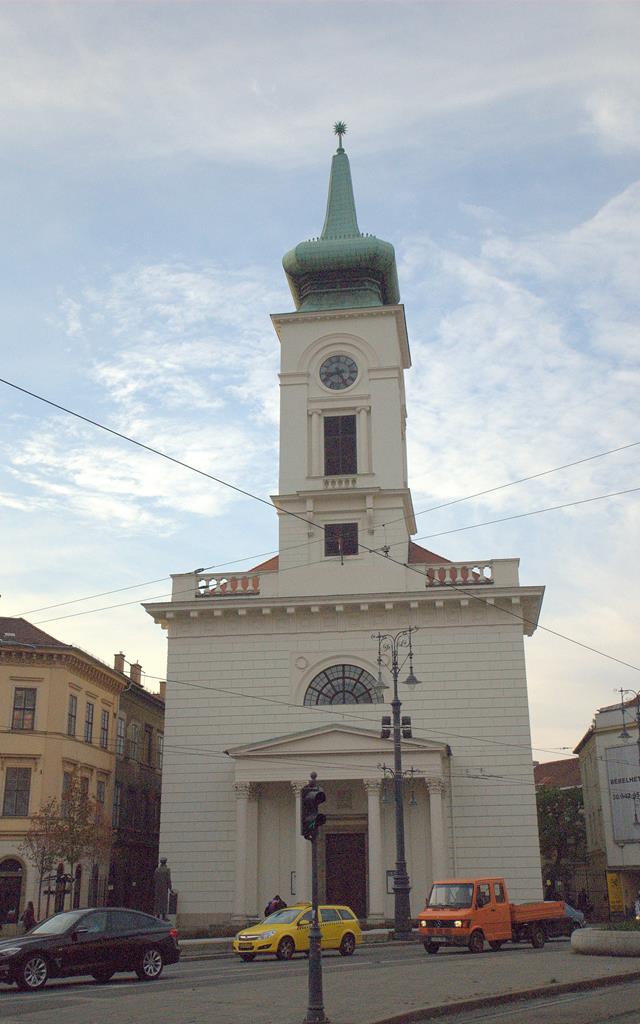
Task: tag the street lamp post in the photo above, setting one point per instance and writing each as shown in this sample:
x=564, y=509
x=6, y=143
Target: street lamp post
x=393, y=643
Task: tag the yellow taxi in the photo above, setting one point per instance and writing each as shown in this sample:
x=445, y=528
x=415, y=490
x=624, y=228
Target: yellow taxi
x=287, y=932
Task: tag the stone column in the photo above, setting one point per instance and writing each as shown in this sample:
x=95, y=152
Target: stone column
x=316, y=443
x=243, y=792
x=363, y=440
x=436, y=821
x=303, y=849
x=376, y=859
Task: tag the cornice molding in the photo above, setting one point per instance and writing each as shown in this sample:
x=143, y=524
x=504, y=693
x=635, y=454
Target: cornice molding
x=71, y=660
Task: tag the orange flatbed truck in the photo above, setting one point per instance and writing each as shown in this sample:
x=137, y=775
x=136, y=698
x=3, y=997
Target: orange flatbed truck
x=469, y=911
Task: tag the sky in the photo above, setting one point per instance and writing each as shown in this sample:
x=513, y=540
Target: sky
x=161, y=157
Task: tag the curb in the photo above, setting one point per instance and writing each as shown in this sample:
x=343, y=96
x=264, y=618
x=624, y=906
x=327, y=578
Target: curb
x=186, y=957
x=429, y=1012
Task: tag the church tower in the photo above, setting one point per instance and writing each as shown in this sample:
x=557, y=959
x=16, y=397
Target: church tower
x=262, y=662
x=343, y=456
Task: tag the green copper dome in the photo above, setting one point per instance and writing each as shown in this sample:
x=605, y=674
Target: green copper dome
x=342, y=268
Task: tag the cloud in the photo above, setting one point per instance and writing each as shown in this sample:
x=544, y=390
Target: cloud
x=525, y=341
x=183, y=360
x=214, y=81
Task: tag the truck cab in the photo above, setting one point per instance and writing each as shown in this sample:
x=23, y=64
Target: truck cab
x=470, y=911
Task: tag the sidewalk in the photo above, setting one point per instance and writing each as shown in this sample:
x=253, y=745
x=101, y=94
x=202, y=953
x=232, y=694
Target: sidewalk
x=416, y=988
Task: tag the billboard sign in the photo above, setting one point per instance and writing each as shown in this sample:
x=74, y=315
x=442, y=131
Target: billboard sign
x=623, y=772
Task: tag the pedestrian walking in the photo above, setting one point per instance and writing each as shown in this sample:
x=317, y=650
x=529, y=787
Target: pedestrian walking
x=28, y=917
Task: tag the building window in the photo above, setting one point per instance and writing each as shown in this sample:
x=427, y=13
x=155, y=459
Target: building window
x=160, y=742
x=101, y=793
x=117, y=804
x=148, y=744
x=134, y=741
x=66, y=786
x=342, y=684
x=24, y=709
x=132, y=807
x=16, y=793
x=340, y=445
x=88, y=723
x=104, y=729
x=341, y=539
x=72, y=714
x=120, y=736
x=84, y=788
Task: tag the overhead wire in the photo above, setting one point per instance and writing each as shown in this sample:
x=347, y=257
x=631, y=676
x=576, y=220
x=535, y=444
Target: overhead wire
x=308, y=522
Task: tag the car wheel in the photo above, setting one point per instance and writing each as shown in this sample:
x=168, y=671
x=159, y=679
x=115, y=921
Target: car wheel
x=102, y=977
x=151, y=964
x=496, y=946
x=32, y=973
x=476, y=942
x=286, y=948
x=431, y=947
x=538, y=937
x=247, y=957
x=348, y=945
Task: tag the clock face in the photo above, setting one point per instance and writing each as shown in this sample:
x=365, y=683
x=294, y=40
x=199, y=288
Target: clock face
x=338, y=372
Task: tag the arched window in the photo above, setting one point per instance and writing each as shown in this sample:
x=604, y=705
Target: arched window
x=342, y=684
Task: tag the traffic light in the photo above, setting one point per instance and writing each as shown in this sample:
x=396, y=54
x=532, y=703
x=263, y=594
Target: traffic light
x=406, y=727
x=310, y=818
x=385, y=730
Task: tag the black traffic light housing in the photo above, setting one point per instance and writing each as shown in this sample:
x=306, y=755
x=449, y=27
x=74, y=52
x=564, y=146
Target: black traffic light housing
x=310, y=818
x=406, y=727
x=385, y=731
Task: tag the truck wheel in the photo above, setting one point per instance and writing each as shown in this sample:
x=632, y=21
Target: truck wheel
x=431, y=947
x=496, y=946
x=538, y=937
x=476, y=942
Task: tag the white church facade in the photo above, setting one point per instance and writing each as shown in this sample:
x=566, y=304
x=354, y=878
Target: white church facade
x=273, y=673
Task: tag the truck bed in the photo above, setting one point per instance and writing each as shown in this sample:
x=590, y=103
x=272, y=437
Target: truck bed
x=543, y=910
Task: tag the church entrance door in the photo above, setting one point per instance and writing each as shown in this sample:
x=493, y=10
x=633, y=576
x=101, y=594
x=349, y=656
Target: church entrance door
x=346, y=870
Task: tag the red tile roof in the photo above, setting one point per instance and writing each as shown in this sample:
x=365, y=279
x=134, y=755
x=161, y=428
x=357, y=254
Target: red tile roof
x=19, y=631
x=417, y=556
x=422, y=556
x=271, y=565
x=564, y=773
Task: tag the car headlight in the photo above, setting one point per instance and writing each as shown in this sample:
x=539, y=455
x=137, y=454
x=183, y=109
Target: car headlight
x=8, y=951
x=262, y=935
x=457, y=924
x=423, y=924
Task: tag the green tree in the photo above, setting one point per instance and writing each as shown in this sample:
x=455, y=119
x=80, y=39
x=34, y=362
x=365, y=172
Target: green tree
x=40, y=845
x=562, y=831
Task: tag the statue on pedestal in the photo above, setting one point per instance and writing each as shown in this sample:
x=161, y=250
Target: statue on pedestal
x=161, y=889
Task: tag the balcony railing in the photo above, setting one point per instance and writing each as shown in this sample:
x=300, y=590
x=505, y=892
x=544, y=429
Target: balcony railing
x=228, y=586
x=459, y=575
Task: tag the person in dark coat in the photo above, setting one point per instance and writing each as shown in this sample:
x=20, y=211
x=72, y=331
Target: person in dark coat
x=277, y=903
x=28, y=917
x=161, y=889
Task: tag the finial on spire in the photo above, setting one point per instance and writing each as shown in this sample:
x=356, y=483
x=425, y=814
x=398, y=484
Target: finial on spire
x=339, y=129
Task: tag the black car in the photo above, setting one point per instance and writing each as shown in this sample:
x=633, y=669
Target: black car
x=98, y=942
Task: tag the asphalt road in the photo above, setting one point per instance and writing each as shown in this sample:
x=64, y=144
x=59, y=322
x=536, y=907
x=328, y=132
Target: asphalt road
x=375, y=983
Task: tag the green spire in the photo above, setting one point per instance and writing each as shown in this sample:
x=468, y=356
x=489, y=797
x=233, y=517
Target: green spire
x=342, y=269
x=340, y=219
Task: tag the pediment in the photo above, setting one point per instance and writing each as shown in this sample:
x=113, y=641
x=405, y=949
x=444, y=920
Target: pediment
x=333, y=739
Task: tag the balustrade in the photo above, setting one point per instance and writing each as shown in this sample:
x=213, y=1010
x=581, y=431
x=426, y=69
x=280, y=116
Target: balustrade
x=228, y=586
x=458, y=575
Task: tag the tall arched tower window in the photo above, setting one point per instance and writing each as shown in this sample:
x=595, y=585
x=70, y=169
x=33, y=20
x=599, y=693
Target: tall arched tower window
x=342, y=684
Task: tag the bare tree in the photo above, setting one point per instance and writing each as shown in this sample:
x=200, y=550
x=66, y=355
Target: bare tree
x=41, y=843
x=99, y=846
x=76, y=823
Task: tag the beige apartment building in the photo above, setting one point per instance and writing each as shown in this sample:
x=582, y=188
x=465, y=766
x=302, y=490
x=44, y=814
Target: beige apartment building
x=58, y=715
